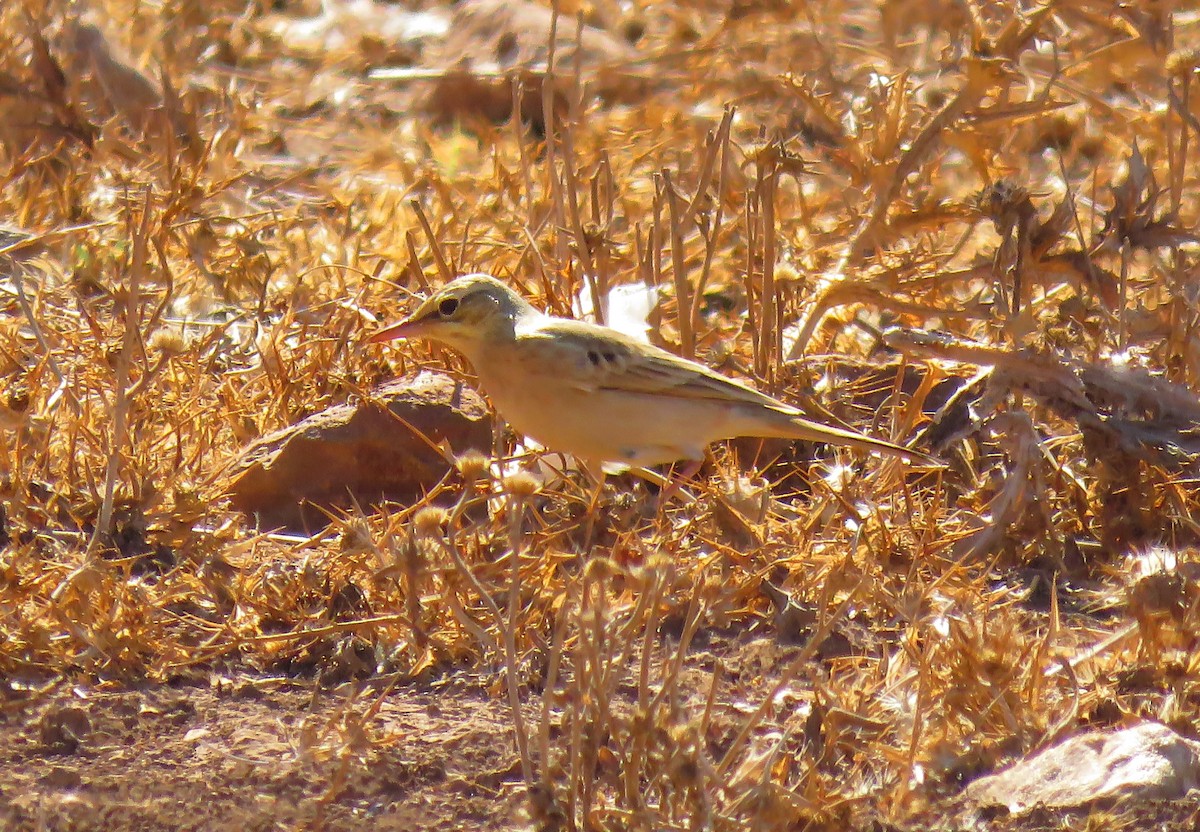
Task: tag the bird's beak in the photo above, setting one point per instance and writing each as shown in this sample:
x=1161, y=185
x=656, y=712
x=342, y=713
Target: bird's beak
x=406, y=328
x=414, y=326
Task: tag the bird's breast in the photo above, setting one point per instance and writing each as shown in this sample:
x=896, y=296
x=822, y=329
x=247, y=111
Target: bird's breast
x=600, y=424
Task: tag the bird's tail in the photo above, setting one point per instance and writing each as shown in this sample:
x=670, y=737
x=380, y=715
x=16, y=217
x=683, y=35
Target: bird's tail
x=800, y=428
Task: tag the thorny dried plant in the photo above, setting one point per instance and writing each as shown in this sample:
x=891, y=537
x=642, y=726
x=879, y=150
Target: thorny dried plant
x=200, y=221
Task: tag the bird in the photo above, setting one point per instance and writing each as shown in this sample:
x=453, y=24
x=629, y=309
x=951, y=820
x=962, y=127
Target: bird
x=598, y=394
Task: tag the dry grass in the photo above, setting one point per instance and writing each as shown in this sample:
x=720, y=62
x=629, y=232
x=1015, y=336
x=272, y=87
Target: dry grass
x=1017, y=180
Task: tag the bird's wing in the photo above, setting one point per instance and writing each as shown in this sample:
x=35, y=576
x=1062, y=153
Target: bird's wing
x=592, y=357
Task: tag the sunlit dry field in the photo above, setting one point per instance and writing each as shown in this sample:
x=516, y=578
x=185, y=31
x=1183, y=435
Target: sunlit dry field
x=968, y=227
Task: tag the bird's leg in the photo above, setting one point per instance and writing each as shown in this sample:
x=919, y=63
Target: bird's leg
x=593, y=505
x=671, y=485
x=598, y=491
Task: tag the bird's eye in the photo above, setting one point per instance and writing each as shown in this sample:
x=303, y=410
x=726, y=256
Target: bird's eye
x=448, y=307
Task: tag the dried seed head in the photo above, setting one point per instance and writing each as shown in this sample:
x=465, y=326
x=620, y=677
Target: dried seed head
x=430, y=521
x=601, y=568
x=472, y=465
x=1004, y=203
x=1183, y=62
x=167, y=341
x=522, y=485
x=356, y=536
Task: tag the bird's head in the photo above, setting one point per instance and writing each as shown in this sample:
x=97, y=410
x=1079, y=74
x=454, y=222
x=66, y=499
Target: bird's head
x=467, y=314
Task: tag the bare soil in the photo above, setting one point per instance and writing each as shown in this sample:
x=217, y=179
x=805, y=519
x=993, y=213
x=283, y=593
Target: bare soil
x=249, y=754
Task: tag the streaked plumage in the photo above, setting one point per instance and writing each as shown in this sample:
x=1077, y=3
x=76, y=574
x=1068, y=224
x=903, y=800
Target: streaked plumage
x=598, y=394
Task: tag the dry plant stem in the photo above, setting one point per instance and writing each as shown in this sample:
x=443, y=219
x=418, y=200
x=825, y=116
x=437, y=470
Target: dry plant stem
x=412, y=575
x=478, y=632
x=1097, y=650
x=670, y=680
x=1035, y=689
x=444, y=269
x=1177, y=167
x=647, y=705
x=1068, y=720
x=760, y=796
x=556, y=654
x=518, y=128
x=714, y=685
x=637, y=757
x=571, y=179
x=597, y=689
x=449, y=544
x=593, y=498
x=1122, y=308
x=120, y=411
x=628, y=636
x=654, y=236
x=512, y=664
x=1187, y=121
x=414, y=262
x=1178, y=152
x=357, y=625
x=719, y=142
x=464, y=241
x=1080, y=237
x=753, y=310
x=18, y=278
x=786, y=678
x=683, y=291
x=1012, y=499
x=506, y=626
x=716, y=145
x=602, y=261
x=918, y=722
x=562, y=254
x=979, y=77
x=769, y=331
x=575, y=740
x=64, y=388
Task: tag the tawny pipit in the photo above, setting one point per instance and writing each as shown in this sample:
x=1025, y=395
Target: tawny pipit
x=596, y=393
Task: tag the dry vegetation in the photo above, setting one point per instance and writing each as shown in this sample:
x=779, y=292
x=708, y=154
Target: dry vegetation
x=1012, y=185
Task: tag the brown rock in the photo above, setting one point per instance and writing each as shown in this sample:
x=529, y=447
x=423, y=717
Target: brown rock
x=490, y=42
x=115, y=81
x=365, y=452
